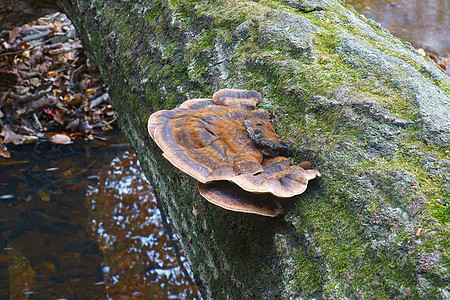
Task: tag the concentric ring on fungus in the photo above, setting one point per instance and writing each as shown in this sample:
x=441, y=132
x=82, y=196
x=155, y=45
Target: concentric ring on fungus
x=232, y=149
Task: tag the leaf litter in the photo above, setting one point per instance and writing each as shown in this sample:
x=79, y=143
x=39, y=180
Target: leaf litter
x=49, y=89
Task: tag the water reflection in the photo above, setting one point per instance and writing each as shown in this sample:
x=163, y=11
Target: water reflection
x=139, y=258
x=426, y=24
x=58, y=243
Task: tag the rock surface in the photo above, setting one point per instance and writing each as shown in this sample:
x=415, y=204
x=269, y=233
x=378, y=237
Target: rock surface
x=369, y=111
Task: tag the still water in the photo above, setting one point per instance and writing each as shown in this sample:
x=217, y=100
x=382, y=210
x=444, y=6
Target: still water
x=80, y=221
x=426, y=24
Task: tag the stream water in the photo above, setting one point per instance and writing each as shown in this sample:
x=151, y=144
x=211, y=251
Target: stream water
x=425, y=24
x=80, y=221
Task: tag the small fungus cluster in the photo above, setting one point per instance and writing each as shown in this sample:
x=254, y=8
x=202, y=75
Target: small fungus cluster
x=232, y=149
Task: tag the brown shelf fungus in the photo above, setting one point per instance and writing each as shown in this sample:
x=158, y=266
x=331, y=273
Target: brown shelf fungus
x=232, y=149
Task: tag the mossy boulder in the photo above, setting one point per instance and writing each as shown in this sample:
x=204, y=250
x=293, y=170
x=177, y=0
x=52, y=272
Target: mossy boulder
x=364, y=107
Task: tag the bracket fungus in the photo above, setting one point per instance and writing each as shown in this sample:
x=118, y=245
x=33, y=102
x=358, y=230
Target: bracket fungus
x=232, y=149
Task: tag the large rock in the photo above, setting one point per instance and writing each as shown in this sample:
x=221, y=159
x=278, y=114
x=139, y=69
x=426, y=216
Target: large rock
x=369, y=111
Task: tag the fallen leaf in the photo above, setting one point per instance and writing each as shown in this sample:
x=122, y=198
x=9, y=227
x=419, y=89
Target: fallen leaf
x=45, y=196
x=58, y=26
x=59, y=116
x=26, y=54
x=76, y=134
x=107, y=128
x=35, y=81
x=4, y=152
x=69, y=55
x=29, y=138
x=13, y=35
x=9, y=136
x=51, y=74
x=60, y=139
x=4, y=96
x=90, y=91
x=75, y=100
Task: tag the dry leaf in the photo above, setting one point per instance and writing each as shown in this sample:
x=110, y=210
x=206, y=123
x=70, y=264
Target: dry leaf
x=51, y=74
x=26, y=54
x=59, y=116
x=90, y=91
x=75, y=100
x=9, y=136
x=45, y=196
x=30, y=138
x=13, y=35
x=60, y=139
x=107, y=128
x=4, y=151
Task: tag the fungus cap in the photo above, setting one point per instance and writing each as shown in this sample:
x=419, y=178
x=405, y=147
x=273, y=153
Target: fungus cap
x=229, y=196
x=226, y=139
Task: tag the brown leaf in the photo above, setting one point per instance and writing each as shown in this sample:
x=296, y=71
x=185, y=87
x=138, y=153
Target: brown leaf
x=51, y=74
x=60, y=139
x=9, y=136
x=35, y=81
x=4, y=151
x=90, y=91
x=45, y=196
x=13, y=35
x=58, y=26
x=25, y=54
x=76, y=135
x=59, y=116
x=75, y=100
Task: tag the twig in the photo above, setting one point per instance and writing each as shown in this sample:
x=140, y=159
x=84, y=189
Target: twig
x=98, y=100
x=36, y=28
x=29, y=97
x=46, y=48
x=104, y=124
x=36, y=105
x=36, y=119
x=57, y=39
x=36, y=36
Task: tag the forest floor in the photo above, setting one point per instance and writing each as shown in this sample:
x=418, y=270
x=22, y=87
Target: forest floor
x=49, y=90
